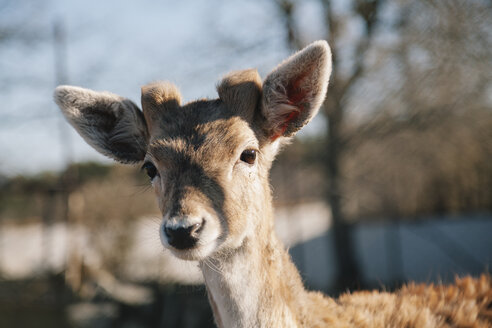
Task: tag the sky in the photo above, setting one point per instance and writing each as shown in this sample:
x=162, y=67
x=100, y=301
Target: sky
x=119, y=46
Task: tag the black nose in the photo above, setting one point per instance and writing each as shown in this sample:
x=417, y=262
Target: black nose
x=183, y=238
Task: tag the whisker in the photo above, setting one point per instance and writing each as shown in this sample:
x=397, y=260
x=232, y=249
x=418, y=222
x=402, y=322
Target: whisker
x=212, y=266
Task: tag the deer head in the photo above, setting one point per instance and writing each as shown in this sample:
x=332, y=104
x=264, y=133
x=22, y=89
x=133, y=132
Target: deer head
x=208, y=160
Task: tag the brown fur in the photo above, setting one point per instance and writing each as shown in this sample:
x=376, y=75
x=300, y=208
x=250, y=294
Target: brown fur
x=197, y=149
x=156, y=97
x=466, y=303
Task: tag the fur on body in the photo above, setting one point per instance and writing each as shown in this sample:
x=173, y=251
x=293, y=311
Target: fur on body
x=209, y=161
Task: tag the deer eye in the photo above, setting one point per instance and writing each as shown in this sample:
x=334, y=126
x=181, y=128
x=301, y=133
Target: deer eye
x=150, y=169
x=248, y=156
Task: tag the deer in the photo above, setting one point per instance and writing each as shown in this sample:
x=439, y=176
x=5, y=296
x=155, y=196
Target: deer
x=208, y=162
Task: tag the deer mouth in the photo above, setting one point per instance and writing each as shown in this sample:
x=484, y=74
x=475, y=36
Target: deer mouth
x=198, y=252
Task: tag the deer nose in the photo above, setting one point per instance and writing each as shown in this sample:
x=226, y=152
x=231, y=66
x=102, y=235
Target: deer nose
x=183, y=237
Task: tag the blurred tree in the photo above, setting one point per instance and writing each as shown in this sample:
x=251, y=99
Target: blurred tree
x=430, y=123
x=13, y=27
x=108, y=208
x=340, y=84
x=408, y=110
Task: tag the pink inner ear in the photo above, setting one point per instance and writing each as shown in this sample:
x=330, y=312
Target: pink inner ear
x=292, y=116
x=296, y=94
x=296, y=97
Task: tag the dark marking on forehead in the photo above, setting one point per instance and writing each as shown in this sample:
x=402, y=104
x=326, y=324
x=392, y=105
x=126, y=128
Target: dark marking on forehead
x=205, y=129
x=182, y=120
x=211, y=143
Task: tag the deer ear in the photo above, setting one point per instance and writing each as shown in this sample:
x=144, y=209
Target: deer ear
x=113, y=125
x=294, y=91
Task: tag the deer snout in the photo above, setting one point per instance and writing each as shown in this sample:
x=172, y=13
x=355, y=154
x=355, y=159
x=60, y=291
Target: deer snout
x=183, y=237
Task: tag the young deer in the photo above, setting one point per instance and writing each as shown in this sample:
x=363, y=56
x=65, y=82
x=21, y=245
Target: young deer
x=209, y=160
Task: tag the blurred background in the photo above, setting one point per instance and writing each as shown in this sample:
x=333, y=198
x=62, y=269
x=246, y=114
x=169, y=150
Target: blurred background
x=392, y=182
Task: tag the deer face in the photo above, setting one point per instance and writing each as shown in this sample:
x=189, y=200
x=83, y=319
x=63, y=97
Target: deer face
x=204, y=168
x=208, y=160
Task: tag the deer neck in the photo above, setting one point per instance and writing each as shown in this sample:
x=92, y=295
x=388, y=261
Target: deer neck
x=256, y=285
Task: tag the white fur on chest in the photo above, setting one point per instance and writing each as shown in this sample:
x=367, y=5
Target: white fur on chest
x=235, y=292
